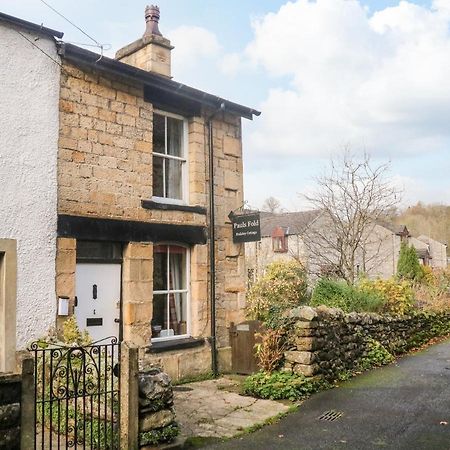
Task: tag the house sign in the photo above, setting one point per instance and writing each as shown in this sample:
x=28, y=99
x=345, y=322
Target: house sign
x=246, y=227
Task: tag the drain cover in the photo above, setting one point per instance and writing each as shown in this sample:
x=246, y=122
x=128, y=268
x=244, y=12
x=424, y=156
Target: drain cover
x=331, y=415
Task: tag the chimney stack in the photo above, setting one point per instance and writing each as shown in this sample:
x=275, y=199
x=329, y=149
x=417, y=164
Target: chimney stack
x=152, y=51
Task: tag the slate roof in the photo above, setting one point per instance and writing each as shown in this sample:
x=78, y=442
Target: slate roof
x=292, y=222
x=428, y=240
x=396, y=229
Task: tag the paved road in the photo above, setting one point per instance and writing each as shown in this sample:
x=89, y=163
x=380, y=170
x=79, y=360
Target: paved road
x=400, y=406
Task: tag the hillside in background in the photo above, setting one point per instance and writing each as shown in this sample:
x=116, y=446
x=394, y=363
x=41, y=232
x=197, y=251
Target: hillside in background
x=431, y=220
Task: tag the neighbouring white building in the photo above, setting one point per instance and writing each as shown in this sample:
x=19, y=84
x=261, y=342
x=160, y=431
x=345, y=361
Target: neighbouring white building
x=283, y=237
x=29, y=108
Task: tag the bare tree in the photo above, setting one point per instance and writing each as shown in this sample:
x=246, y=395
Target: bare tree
x=352, y=197
x=271, y=205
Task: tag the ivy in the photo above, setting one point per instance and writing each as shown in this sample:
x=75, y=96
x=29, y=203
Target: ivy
x=160, y=435
x=282, y=385
x=376, y=355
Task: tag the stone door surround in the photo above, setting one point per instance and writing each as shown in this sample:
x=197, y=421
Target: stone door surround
x=8, y=292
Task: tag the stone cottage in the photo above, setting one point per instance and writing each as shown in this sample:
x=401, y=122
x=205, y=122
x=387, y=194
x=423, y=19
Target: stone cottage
x=148, y=170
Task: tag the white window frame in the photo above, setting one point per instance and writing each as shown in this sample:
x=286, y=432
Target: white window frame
x=185, y=159
x=187, y=291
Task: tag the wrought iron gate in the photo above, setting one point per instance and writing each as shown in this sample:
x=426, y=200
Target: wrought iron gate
x=77, y=395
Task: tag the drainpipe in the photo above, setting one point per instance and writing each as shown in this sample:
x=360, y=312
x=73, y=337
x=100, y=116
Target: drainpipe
x=212, y=239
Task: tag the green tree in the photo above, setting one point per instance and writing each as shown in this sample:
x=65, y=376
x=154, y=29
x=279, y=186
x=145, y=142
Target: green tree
x=408, y=266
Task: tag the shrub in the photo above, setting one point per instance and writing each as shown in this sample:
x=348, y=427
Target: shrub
x=376, y=355
x=408, y=266
x=397, y=296
x=433, y=293
x=429, y=277
x=270, y=352
x=338, y=294
x=282, y=287
x=282, y=385
x=72, y=335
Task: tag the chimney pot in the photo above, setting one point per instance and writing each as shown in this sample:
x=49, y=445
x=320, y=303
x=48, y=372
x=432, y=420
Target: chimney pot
x=152, y=16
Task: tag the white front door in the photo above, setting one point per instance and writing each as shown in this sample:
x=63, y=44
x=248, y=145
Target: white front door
x=98, y=299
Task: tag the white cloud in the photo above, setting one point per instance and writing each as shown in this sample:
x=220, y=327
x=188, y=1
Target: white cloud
x=376, y=81
x=417, y=189
x=443, y=6
x=230, y=63
x=192, y=44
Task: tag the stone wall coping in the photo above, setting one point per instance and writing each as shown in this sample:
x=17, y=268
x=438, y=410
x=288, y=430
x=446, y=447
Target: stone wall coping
x=324, y=312
x=8, y=377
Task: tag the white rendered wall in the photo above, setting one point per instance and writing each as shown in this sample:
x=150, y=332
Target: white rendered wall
x=438, y=252
x=29, y=94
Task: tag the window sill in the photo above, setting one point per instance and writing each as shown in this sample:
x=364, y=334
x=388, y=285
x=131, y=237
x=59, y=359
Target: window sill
x=175, y=344
x=150, y=204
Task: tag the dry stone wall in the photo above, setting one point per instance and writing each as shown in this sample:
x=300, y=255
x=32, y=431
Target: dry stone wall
x=326, y=341
x=10, y=399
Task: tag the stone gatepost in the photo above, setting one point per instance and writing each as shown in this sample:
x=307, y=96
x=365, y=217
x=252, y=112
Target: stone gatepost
x=302, y=359
x=129, y=394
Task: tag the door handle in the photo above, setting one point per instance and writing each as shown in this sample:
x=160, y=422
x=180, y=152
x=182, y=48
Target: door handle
x=94, y=291
x=117, y=320
x=75, y=302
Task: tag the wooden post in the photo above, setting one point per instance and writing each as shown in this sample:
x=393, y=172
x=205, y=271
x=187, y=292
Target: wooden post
x=129, y=397
x=28, y=405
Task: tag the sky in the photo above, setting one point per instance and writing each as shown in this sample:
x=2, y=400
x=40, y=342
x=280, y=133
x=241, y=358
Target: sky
x=370, y=76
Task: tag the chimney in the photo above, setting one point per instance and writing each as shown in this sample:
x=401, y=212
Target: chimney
x=152, y=51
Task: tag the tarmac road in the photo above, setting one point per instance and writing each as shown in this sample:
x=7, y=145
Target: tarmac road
x=405, y=405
